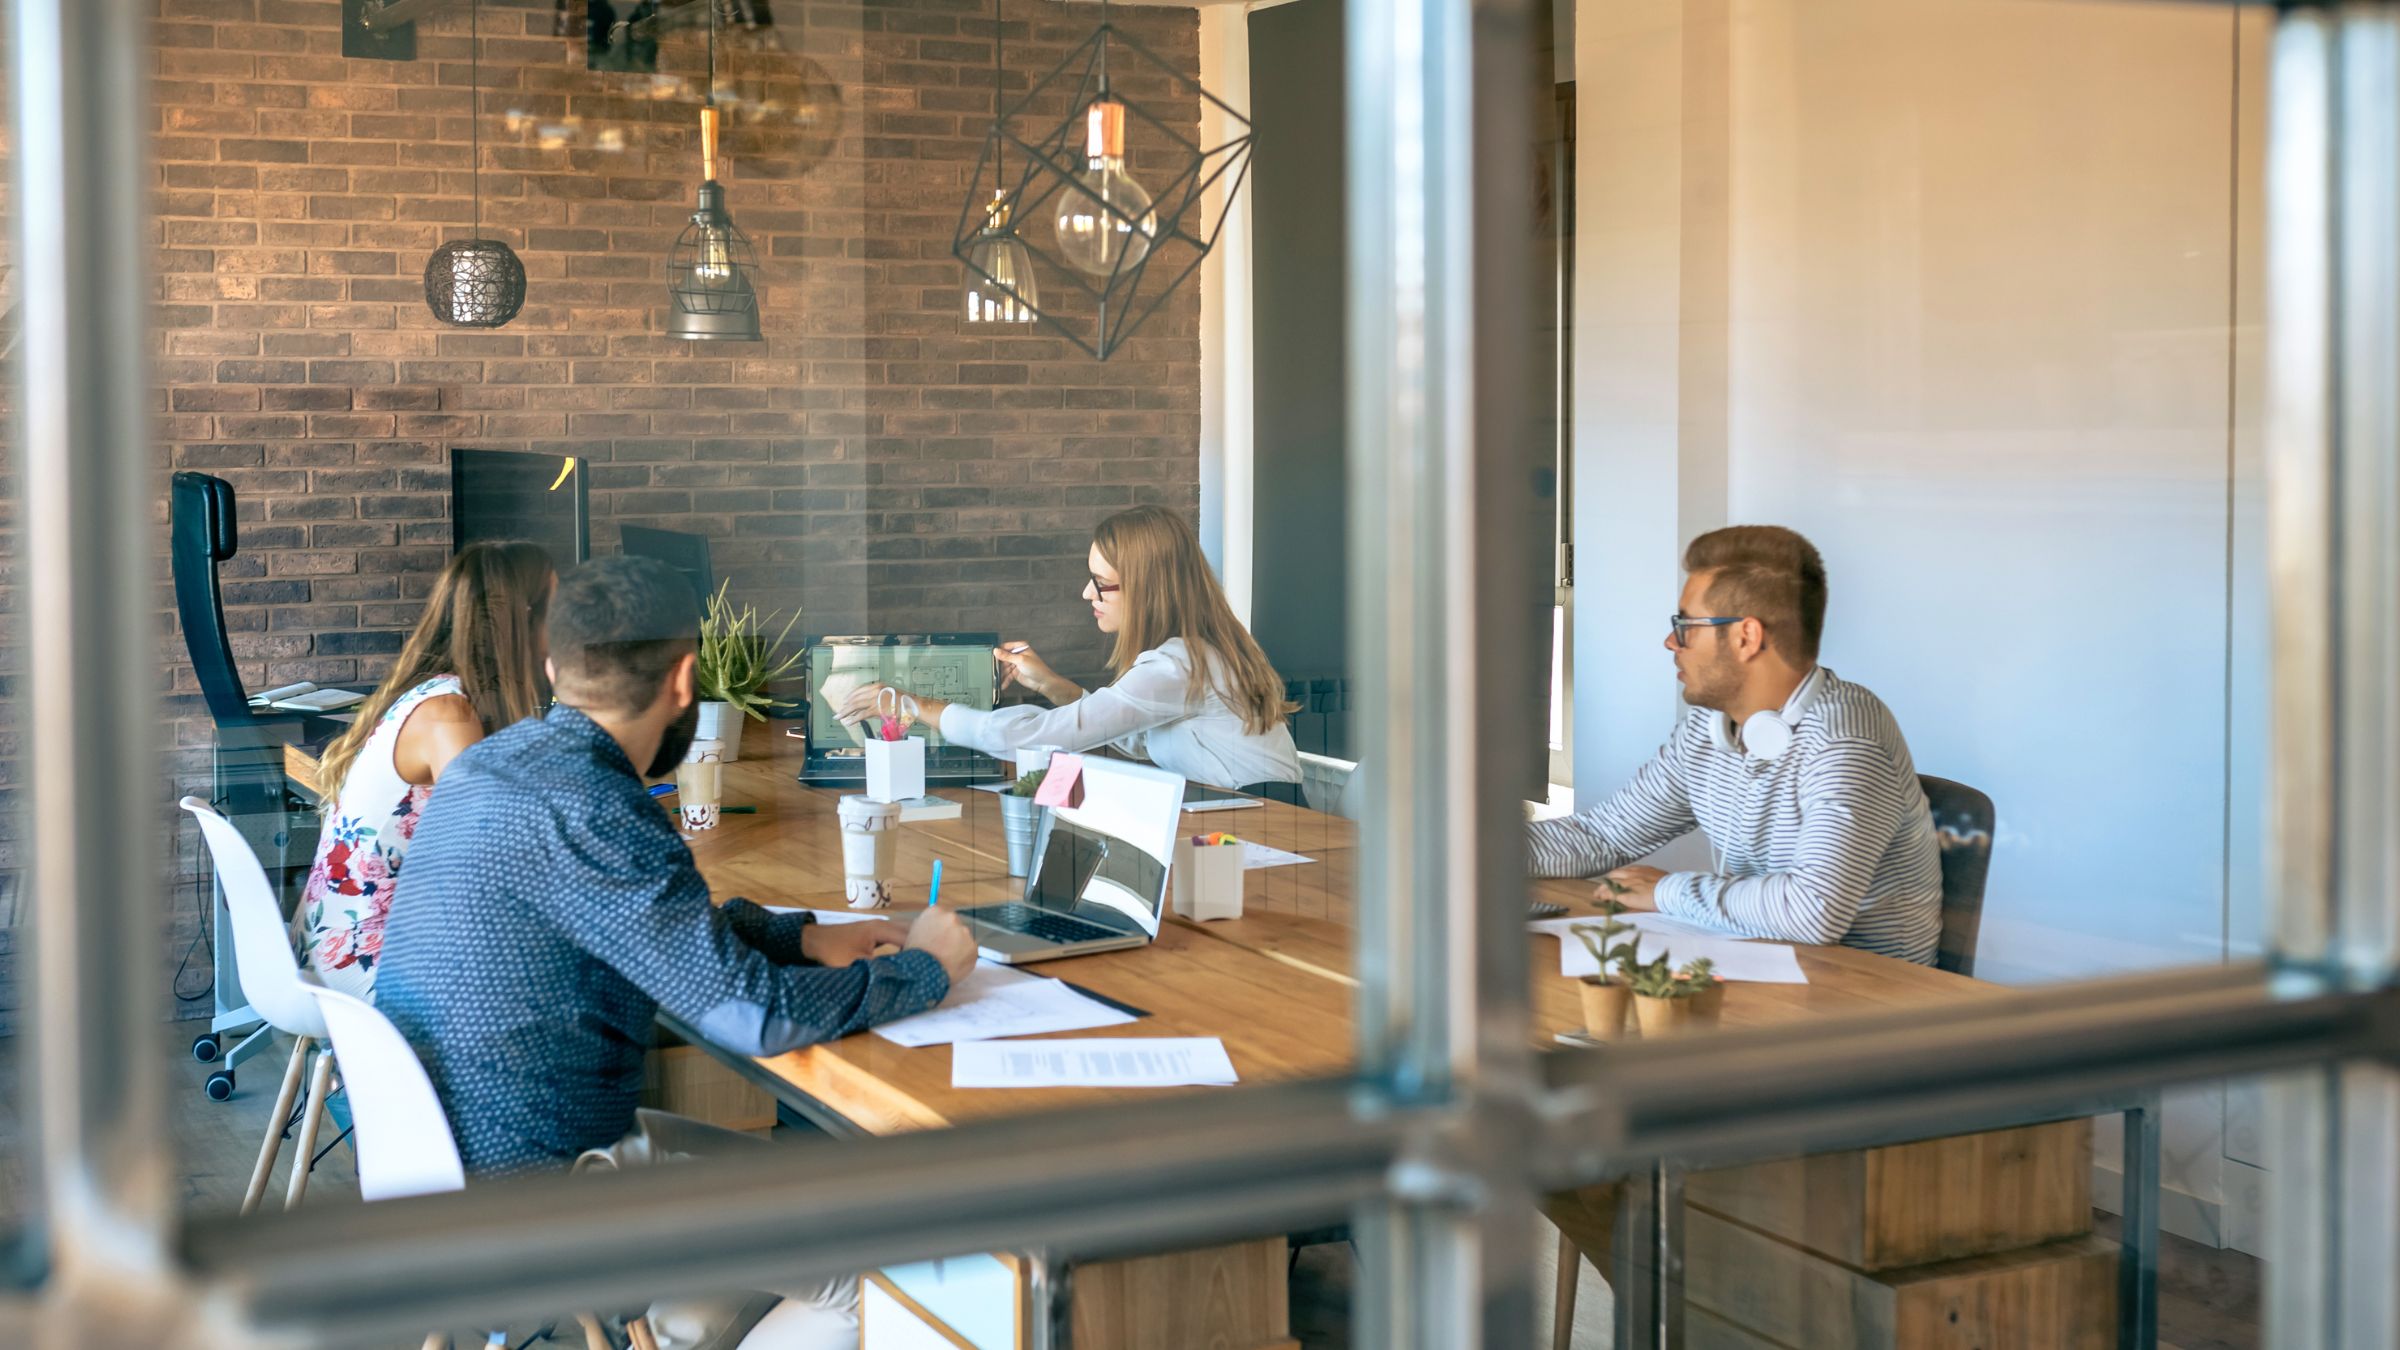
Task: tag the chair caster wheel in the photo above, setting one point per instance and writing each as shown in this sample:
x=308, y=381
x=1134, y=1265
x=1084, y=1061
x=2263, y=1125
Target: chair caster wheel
x=204, y=1047
x=219, y=1086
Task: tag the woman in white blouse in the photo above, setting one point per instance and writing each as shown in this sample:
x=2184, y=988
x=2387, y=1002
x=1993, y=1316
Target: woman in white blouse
x=1193, y=693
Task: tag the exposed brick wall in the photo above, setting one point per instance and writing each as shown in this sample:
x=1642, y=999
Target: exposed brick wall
x=875, y=460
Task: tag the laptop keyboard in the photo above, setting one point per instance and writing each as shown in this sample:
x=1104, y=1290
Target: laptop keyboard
x=1041, y=923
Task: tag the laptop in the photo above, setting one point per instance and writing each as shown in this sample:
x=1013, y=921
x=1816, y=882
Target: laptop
x=1099, y=876
x=953, y=666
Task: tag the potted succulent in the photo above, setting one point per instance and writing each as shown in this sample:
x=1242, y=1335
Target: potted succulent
x=1018, y=819
x=1668, y=999
x=1607, y=995
x=736, y=660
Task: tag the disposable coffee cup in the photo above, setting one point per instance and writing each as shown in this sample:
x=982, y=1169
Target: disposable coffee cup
x=700, y=784
x=870, y=850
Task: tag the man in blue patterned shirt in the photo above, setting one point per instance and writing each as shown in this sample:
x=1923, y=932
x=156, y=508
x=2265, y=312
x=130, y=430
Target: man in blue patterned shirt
x=552, y=909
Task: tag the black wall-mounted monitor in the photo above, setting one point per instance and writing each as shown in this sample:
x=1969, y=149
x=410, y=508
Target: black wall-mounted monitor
x=510, y=494
x=687, y=553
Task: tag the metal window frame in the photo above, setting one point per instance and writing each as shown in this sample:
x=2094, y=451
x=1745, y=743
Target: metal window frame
x=1452, y=1124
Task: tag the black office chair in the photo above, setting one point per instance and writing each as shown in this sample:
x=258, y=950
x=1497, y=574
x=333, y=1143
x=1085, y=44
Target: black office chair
x=1962, y=828
x=200, y=536
x=1287, y=793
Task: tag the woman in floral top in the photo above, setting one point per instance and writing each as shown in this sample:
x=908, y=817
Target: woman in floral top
x=472, y=666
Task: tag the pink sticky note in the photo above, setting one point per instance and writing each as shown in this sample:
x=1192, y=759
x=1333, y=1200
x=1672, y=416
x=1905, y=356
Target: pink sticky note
x=1063, y=785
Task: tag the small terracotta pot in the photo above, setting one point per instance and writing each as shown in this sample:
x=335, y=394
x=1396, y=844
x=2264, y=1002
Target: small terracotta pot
x=1604, y=1007
x=1707, y=1004
x=1667, y=1016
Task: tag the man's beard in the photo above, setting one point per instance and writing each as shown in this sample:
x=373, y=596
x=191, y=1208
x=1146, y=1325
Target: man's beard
x=1711, y=686
x=675, y=742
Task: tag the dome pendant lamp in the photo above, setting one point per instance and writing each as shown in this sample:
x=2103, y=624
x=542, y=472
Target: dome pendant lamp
x=709, y=272
x=475, y=282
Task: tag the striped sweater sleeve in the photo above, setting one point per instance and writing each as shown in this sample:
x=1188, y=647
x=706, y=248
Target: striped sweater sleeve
x=1643, y=817
x=1852, y=794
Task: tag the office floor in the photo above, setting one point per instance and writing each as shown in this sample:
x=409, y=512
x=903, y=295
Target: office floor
x=2208, y=1299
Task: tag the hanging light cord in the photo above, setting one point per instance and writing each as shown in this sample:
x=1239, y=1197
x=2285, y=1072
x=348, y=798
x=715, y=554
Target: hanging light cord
x=475, y=116
x=710, y=98
x=999, y=139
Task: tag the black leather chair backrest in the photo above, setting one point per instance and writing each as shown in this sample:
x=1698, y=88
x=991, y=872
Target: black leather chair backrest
x=200, y=536
x=1962, y=827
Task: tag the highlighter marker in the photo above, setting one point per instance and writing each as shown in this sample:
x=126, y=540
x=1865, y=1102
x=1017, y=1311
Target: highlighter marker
x=934, y=896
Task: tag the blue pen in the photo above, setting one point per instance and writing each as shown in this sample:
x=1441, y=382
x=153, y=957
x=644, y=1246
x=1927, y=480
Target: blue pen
x=934, y=896
x=662, y=789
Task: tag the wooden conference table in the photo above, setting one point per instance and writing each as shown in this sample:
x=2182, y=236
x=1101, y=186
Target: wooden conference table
x=1993, y=1223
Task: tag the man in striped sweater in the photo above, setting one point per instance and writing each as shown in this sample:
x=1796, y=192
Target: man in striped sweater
x=1801, y=781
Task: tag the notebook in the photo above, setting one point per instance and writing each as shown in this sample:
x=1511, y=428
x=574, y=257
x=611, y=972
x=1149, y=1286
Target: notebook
x=306, y=697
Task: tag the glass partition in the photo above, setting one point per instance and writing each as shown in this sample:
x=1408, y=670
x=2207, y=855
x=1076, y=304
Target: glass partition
x=618, y=460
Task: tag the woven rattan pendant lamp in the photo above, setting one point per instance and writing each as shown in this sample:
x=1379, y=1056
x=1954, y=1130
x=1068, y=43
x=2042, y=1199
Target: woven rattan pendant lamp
x=475, y=282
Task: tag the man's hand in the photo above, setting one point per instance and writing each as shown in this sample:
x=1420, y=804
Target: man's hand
x=839, y=944
x=1636, y=887
x=938, y=933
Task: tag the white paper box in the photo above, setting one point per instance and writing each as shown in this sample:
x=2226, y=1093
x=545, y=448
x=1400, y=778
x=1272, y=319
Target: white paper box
x=896, y=769
x=1207, y=882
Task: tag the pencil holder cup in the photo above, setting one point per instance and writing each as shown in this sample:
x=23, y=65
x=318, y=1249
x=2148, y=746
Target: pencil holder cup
x=1207, y=880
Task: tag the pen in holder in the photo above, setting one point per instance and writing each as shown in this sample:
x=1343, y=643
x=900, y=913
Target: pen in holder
x=895, y=763
x=1207, y=877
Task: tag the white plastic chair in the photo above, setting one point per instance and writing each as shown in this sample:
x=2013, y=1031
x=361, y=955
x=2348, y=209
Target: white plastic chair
x=271, y=980
x=403, y=1140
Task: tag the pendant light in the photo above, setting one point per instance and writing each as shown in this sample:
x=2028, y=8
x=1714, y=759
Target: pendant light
x=1104, y=221
x=1000, y=285
x=475, y=282
x=712, y=297
x=1122, y=246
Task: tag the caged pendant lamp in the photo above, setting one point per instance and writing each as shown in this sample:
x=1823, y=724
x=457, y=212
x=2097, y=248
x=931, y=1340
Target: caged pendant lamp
x=1119, y=247
x=709, y=287
x=1000, y=286
x=475, y=282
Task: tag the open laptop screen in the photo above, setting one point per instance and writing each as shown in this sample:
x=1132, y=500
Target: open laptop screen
x=954, y=667
x=1112, y=852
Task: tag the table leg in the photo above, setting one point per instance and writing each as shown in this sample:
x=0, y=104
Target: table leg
x=1646, y=1269
x=2137, y=1259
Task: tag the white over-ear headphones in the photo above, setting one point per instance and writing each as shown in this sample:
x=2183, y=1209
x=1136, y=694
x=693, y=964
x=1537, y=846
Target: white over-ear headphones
x=1767, y=735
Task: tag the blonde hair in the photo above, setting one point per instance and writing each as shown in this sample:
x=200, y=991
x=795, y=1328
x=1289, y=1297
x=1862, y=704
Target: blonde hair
x=482, y=624
x=1168, y=592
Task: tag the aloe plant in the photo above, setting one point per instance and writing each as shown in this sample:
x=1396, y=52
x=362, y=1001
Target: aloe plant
x=736, y=658
x=1028, y=784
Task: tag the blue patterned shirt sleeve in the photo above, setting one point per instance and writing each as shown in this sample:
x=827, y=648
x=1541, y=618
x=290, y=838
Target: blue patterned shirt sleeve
x=656, y=925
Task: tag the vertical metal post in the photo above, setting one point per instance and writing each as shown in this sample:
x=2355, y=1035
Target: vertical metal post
x=85, y=442
x=2333, y=485
x=2137, y=1262
x=1440, y=322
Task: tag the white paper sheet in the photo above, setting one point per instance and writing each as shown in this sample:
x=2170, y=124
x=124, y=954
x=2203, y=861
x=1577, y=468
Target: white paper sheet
x=1100, y=1062
x=1256, y=856
x=1651, y=924
x=995, y=1001
x=1735, y=958
x=1222, y=804
x=829, y=915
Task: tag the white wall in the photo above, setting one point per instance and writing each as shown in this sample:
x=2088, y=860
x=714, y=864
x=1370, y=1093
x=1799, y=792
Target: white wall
x=1963, y=290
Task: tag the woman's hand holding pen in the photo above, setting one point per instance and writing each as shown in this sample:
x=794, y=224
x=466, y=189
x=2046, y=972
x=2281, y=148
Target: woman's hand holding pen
x=1020, y=664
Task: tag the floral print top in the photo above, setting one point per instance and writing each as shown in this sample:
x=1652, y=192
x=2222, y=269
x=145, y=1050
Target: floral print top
x=368, y=826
